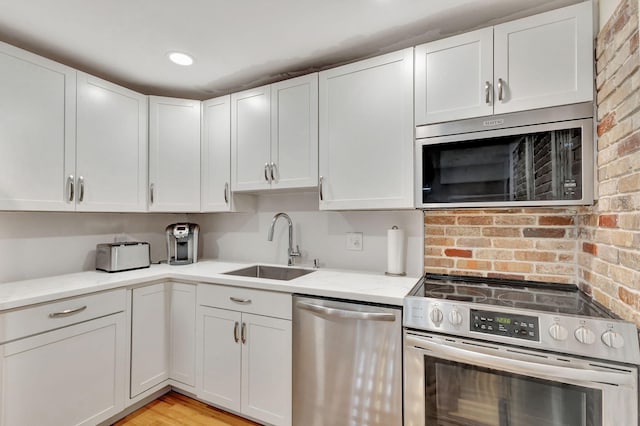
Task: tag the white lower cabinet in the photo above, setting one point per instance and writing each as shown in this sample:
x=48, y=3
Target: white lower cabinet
x=74, y=375
x=162, y=335
x=243, y=359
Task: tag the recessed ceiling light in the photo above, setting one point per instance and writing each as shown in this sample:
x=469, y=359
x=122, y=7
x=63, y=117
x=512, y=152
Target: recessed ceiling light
x=180, y=58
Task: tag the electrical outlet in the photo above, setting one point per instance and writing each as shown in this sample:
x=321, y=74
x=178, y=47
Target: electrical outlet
x=354, y=241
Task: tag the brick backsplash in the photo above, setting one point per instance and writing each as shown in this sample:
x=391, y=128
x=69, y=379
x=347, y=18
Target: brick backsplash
x=596, y=247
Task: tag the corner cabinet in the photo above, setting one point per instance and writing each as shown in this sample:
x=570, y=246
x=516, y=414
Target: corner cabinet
x=111, y=149
x=37, y=132
x=244, y=352
x=536, y=62
x=274, y=136
x=64, y=362
x=174, y=155
x=366, y=134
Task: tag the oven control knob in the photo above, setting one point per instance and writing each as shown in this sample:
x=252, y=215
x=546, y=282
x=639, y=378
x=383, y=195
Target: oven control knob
x=558, y=332
x=612, y=339
x=585, y=335
x=436, y=316
x=455, y=317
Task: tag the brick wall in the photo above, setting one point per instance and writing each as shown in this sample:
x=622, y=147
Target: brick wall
x=596, y=247
x=609, y=232
x=537, y=244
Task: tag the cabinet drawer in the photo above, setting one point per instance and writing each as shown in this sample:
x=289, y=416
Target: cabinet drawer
x=242, y=299
x=49, y=316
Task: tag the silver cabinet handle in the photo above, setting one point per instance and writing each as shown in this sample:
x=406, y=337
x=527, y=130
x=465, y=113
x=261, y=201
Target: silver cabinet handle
x=320, y=188
x=487, y=93
x=266, y=172
x=274, y=171
x=151, y=189
x=235, y=332
x=347, y=314
x=500, y=84
x=67, y=312
x=70, y=188
x=451, y=352
x=80, y=189
x=226, y=192
x=241, y=301
x=243, y=333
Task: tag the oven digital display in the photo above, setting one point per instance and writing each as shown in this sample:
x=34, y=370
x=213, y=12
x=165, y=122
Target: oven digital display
x=509, y=325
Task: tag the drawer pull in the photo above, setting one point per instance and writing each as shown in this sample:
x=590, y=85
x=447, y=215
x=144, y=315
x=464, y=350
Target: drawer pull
x=241, y=301
x=243, y=333
x=67, y=312
x=235, y=332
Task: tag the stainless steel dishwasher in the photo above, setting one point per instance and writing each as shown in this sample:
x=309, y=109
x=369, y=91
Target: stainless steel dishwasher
x=347, y=363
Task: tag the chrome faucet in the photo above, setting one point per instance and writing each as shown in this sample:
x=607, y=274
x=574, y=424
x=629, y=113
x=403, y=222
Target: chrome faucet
x=292, y=254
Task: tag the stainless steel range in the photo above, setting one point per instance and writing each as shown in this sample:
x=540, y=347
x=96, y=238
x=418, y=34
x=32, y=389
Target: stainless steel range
x=482, y=351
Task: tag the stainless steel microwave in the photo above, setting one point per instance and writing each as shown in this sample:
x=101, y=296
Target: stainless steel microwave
x=542, y=157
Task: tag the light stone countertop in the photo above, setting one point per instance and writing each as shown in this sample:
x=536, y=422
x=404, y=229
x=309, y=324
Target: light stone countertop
x=350, y=285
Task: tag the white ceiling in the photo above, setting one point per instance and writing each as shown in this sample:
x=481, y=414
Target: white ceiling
x=237, y=44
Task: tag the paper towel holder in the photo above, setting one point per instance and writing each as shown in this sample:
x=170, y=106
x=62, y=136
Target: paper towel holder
x=391, y=274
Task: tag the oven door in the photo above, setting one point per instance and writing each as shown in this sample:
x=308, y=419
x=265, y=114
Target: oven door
x=450, y=381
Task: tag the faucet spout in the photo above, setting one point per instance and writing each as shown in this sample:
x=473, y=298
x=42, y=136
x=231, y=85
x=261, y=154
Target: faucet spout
x=291, y=252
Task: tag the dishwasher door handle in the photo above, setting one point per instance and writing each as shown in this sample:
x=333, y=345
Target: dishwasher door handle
x=345, y=313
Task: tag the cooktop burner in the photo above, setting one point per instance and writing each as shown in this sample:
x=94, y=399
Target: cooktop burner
x=539, y=296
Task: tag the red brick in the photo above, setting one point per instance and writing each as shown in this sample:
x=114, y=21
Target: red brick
x=505, y=276
x=608, y=220
x=630, y=298
x=473, y=264
x=543, y=233
x=629, y=144
x=458, y=253
x=501, y=232
x=590, y=248
x=438, y=262
x=475, y=220
x=521, y=267
x=535, y=256
x=555, y=220
x=438, y=241
x=439, y=220
x=607, y=122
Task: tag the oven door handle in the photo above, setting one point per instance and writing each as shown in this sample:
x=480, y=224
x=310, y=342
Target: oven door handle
x=527, y=368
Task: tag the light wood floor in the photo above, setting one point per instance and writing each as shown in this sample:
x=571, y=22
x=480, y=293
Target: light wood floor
x=174, y=409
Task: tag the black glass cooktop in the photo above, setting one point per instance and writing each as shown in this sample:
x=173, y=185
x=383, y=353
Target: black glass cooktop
x=540, y=296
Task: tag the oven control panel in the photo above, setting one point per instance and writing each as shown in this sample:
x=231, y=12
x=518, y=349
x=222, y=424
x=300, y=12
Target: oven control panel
x=505, y=324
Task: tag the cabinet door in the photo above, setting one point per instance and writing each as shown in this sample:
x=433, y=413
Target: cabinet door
x=545, y=60
x=182, y=351
x=454, y=77
x=266, y=369
x=111, y=149
x=294, y=132
x=149, y=337
x=71, y=376
x=218, y=357
x=37, y=132
x=250, y=139
x=216, y=154
x=174, y=155
x=366, y=134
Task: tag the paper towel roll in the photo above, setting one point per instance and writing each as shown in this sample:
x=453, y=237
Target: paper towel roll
x=395, y=251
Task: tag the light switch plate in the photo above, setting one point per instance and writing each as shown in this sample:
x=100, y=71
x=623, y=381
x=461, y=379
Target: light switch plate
x=354, y=241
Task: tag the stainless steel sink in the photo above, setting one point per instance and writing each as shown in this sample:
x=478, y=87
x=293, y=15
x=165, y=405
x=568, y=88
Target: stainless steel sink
x=270, y=272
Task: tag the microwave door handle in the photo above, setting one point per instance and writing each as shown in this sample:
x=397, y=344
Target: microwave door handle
x=527, y=368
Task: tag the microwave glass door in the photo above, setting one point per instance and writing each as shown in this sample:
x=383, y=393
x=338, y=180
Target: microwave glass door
x=462, y=394
x=532, y=167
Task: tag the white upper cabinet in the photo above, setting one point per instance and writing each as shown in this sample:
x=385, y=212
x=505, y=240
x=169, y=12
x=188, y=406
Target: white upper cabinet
x=251, y=139
x=294, y=133
x=454, y=77
x=274, y=135
x=366, y=134
x=174, y=155
x=37, y=132
x=545, y=60
x=536, y=62
x=216, y=154
x=111, y=151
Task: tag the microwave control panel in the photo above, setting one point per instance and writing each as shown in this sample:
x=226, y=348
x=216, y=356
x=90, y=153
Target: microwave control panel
x=505, y=324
